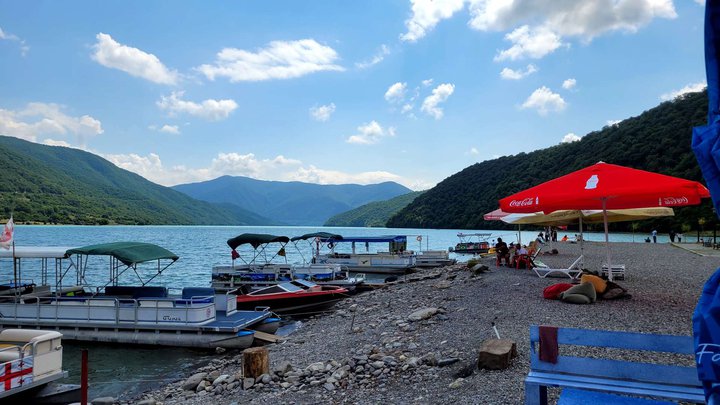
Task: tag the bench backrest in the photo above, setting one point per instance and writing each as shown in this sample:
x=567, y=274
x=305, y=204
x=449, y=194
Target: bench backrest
x=618, y=369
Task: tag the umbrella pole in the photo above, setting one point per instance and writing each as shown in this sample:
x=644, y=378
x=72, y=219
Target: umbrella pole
x=582, y=247
x=607, y=241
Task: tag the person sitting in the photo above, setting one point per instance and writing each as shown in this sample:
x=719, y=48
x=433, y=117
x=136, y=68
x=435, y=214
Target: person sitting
x=519, y=253
x=503, y=253
x=564, y=238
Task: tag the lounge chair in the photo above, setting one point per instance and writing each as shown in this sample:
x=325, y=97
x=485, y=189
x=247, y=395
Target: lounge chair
x=543, y=270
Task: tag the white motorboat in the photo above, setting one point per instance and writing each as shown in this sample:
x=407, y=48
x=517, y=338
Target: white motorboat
x=433, y=258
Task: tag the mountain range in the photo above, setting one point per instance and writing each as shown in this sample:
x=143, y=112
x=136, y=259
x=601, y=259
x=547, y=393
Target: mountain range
x=290, y=203
x=374, y=214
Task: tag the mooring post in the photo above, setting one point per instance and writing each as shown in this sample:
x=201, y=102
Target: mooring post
x=84, y=377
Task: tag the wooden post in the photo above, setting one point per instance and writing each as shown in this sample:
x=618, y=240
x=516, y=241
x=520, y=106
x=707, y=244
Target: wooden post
x=84, y=377
x=256, y=362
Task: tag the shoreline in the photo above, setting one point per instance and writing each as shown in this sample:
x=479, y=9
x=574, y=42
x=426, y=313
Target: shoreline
x=373, y=353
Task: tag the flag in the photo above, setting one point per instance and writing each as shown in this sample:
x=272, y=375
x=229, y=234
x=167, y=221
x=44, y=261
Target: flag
x=281, y=252
x=234, y=254
x=6, y=238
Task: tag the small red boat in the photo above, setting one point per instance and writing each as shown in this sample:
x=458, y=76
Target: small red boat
x=292, y=297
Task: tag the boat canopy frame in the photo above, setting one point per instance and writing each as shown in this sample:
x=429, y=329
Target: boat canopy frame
x=124, y=256
x=316, y=240
x=58, y=255
x=259, y=243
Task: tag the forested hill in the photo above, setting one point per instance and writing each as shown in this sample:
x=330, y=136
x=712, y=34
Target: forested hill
x=54, y=184
x=373, y=214
x=658, y=140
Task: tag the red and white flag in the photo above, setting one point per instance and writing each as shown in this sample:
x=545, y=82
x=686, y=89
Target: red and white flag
x=6, y=238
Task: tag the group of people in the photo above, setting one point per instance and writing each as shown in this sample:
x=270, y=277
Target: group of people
x=509, y=254
x=673, y=235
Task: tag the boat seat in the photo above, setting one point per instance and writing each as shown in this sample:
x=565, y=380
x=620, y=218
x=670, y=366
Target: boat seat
x=136, y=291
x=189, y=292
x=10, y=354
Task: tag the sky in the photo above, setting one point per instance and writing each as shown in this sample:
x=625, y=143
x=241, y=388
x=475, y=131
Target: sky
x=335, y=92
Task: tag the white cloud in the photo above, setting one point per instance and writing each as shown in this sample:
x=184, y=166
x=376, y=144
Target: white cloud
x=570, y=137
x=396, y=92
x=439, y=95
x=279, y=168
x=54, y=142
x=427, y=82
x=585, y=19
x=40, y=119
x=377, y=58
x=278, y=60
x=700, y=2
x=406, y=108
x=474, y=151
x=370, y=133
x=170, y=129
x=323, y=112
x=544, y=100
x=569, y=84
x=690, y=88
x=612, y=123
x=213, y=110
x=14, y=38
x=532, y=43
x=133, y=61
x=510, y=74
x=426, y=14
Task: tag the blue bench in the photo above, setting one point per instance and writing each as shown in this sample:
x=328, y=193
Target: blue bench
x=673, y=382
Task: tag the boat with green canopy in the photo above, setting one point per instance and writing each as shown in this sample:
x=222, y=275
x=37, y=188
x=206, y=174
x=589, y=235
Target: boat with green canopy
x=119, y=312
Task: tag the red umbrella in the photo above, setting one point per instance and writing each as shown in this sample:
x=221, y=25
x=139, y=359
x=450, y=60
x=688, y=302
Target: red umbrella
x=606, y=186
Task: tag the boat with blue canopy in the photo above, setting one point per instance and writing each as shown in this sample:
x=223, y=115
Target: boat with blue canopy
x=116, y=312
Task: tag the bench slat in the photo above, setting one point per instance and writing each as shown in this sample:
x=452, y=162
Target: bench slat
x=619, y=340
x=617, y=369
x=555, y=379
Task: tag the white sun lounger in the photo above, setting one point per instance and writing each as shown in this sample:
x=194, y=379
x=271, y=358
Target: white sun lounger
x=573, y=271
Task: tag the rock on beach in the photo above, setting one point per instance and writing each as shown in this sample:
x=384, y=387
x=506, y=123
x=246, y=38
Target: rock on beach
x=403, y=351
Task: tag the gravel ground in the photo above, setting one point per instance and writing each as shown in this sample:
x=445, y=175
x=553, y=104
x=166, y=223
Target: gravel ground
x=382, y=357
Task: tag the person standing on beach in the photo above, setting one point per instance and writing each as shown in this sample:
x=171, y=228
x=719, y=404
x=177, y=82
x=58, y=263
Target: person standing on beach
x=679, y=237
x=672, y=236
x=654, y=236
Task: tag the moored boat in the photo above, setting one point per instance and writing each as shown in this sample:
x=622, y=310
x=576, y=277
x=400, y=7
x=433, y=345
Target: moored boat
x=397, y=260
x=472, y=243
x=136, y=314
x=323, y=273
x=433, y=258
x=293, y=297
x=30, y=361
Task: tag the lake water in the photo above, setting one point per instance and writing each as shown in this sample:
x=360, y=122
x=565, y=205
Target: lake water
x=128, y=370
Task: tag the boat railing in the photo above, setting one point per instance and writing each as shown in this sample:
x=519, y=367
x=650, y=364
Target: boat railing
x=113, y=310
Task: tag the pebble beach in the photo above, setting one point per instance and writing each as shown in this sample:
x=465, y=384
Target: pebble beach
x=368, y=350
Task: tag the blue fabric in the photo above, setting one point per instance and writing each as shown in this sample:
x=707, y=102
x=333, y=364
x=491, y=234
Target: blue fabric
x=573, y=396
x=706, y=336
x=706, y=146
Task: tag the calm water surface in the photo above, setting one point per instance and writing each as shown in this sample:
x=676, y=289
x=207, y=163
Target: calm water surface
x=129, y=370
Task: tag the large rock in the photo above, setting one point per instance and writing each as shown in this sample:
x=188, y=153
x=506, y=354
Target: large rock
x=422, y=314
x=192, y=382
x=495, y=354
x=282, y=367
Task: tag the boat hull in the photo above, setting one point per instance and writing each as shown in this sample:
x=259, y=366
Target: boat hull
x=293, y=305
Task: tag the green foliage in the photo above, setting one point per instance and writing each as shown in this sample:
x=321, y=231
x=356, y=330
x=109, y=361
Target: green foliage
x=658, y=140
x=373, y=214
x=58, y=185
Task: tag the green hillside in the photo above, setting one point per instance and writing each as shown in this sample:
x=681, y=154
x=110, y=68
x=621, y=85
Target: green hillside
x=53, y=184
x=373, y=214
x=658, y=140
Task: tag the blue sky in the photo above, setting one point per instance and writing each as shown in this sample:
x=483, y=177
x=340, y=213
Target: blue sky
x=335, y=92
